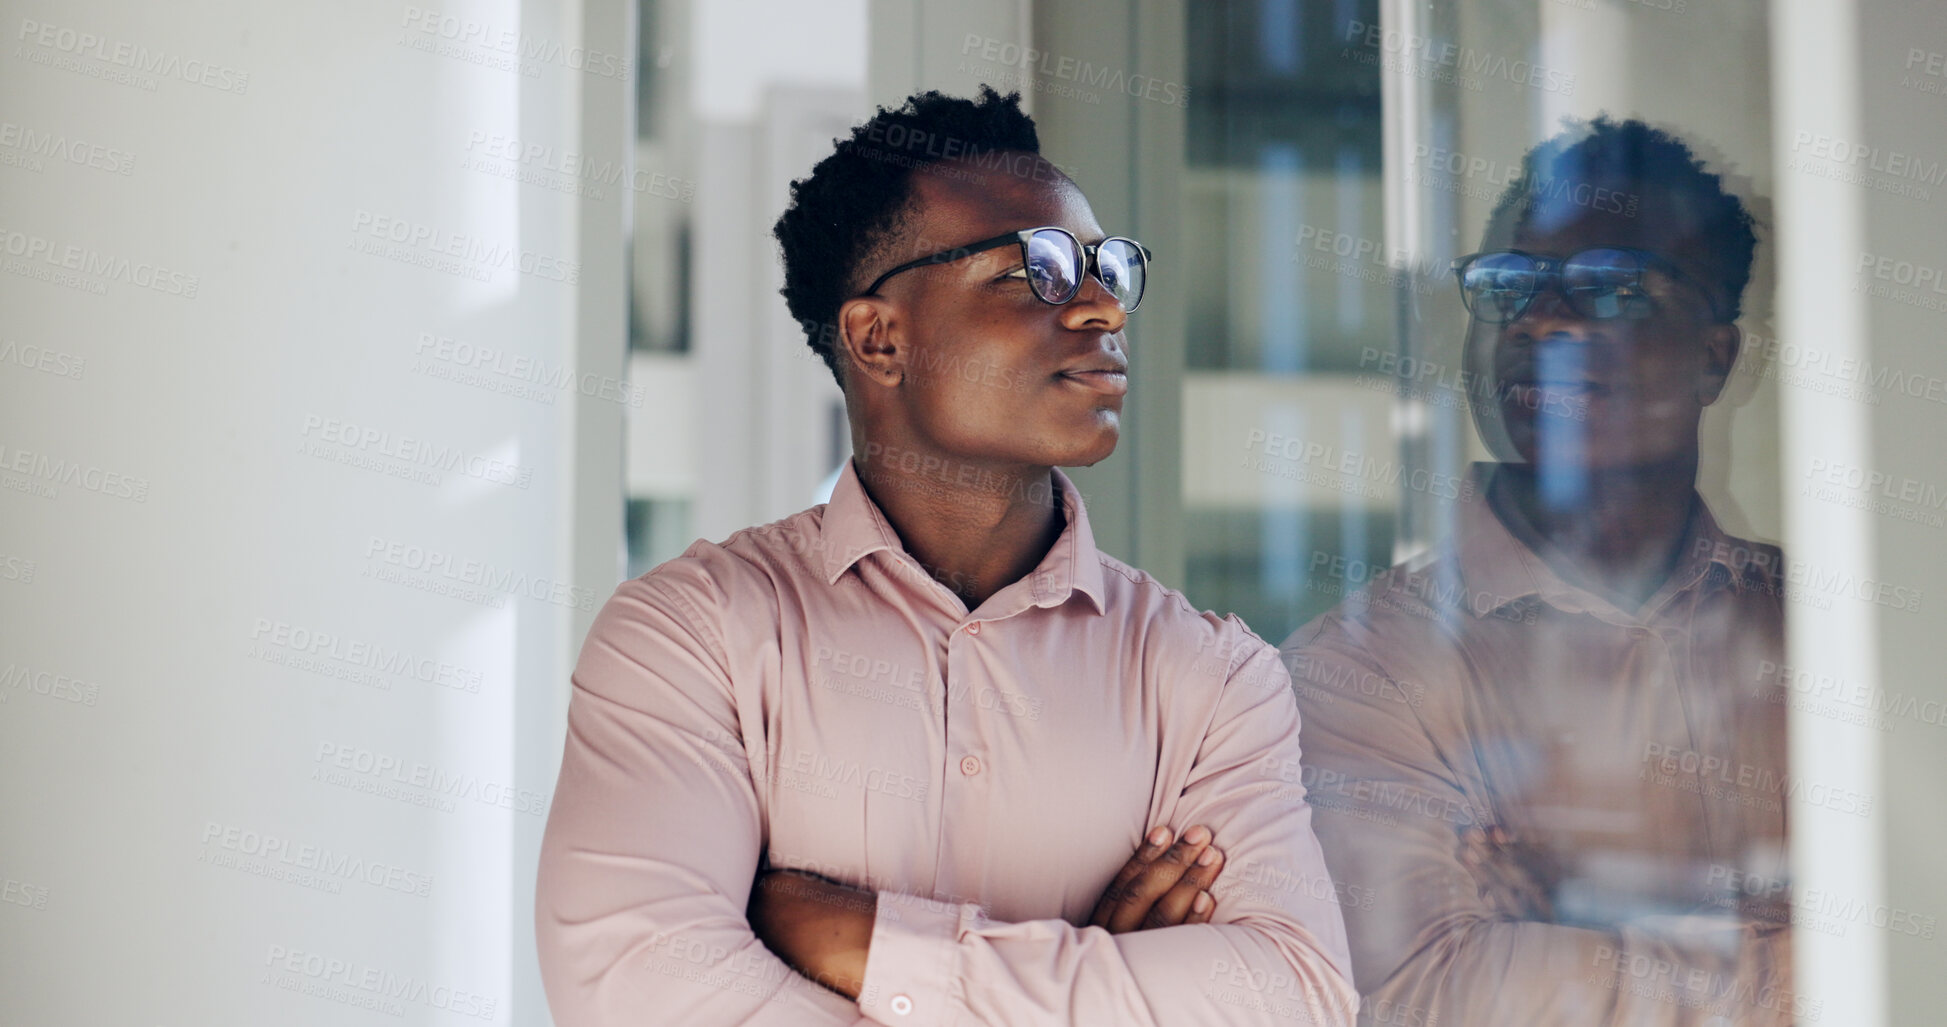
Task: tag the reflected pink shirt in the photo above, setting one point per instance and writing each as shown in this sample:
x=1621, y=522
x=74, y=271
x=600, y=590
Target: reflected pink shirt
x=1633, y=760
x=805, y=693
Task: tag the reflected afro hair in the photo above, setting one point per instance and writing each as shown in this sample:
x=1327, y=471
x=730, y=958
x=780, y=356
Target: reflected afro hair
x=1628, y=156
x=851, y=207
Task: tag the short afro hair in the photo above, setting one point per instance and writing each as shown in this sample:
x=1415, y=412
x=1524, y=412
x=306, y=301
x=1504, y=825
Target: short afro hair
x=854, y=202
x=1623, y=156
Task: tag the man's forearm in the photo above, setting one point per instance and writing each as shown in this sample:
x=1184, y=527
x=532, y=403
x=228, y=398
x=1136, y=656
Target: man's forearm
x=1533, y=972
x=820, y=928
x=932, y=956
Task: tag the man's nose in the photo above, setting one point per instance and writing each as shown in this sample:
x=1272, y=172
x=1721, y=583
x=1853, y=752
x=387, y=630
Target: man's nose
x=1094, y=308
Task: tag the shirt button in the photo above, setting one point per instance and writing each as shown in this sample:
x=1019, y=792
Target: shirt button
x=974, y=628
x=970, y=766
x=902, y=1005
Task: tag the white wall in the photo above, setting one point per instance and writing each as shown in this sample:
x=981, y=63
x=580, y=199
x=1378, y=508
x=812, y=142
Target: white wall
x=171, y=766
x=742, y=49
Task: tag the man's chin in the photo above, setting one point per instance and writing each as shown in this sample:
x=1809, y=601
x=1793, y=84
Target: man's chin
x=1593, y=464
x=1094, y=451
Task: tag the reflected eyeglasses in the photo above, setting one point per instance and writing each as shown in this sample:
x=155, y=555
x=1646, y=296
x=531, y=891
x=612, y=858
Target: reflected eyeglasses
x=1056, y=261
x=1599, y=283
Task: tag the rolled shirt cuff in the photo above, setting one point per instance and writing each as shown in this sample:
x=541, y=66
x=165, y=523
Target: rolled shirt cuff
x=912, y=974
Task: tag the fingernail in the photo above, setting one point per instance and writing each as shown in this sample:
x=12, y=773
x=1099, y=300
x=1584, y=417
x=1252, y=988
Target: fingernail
x=1203, y=902
x=1209, y=856
x=1159, y=836
x=1197, y=835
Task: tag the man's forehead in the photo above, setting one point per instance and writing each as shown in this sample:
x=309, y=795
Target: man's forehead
x=1540, y=228
x=987, y=198
x=1666, y=237
x=1560, y=222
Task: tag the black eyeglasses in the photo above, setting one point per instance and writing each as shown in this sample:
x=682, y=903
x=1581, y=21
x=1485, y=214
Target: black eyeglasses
x=1055, y=262
x=1603, y=282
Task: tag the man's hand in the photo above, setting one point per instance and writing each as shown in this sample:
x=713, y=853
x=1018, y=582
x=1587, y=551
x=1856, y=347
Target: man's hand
x=822, y=928
x=1162, y=885
x=1511, y=875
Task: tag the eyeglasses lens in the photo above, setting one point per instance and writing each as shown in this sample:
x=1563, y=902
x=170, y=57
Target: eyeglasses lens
x=1497, y=287
x=1054, y=265
x=1120, y=264
x=1606, y=283
x=1598, y=283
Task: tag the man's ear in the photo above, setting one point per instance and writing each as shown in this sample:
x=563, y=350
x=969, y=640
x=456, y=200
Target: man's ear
x=1721, y=343
x=870, y=334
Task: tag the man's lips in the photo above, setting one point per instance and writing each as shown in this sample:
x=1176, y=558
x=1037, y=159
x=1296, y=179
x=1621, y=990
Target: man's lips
x=1108, y=381
x=1570, y=379
x=1537, y=397
x=1555, y=384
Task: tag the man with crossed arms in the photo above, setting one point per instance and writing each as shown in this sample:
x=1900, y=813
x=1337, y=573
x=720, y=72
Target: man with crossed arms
x=1552, y=751
x=933, y=691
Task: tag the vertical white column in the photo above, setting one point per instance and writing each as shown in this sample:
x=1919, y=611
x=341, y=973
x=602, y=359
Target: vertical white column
x=1820, y=234
x=309, y=362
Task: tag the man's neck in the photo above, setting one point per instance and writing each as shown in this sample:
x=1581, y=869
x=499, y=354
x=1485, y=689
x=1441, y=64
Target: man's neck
x=1620, y=536
x=975, y=528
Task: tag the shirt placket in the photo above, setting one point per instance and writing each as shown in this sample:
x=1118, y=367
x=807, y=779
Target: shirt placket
x=1700, y=718
x=965, y=828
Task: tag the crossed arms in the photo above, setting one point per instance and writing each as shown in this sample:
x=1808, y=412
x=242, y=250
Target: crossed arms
x=648, y=870
x=1450, y=926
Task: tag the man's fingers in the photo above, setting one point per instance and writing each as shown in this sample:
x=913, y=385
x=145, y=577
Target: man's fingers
x=1153, y=845
x=1201, y=908
x=1176, y=905
x=1155, y=880
x=1159, y=871
x=1204, y=872
x=1157, y=840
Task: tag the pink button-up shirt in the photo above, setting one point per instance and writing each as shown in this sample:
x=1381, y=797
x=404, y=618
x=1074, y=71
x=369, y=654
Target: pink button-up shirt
x=1552, y=810
x=805, y=693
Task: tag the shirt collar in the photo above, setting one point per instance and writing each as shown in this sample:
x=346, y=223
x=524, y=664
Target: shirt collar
x=854, y=526
x=1498, y=568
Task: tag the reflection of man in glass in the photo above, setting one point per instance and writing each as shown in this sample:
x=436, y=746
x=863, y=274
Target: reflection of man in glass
x=933, y=692
x=1549, y=757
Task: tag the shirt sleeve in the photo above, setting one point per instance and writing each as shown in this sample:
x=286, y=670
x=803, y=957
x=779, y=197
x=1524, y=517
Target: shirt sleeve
x=1443, y=931
x=653, y=841
x=1273, y=953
